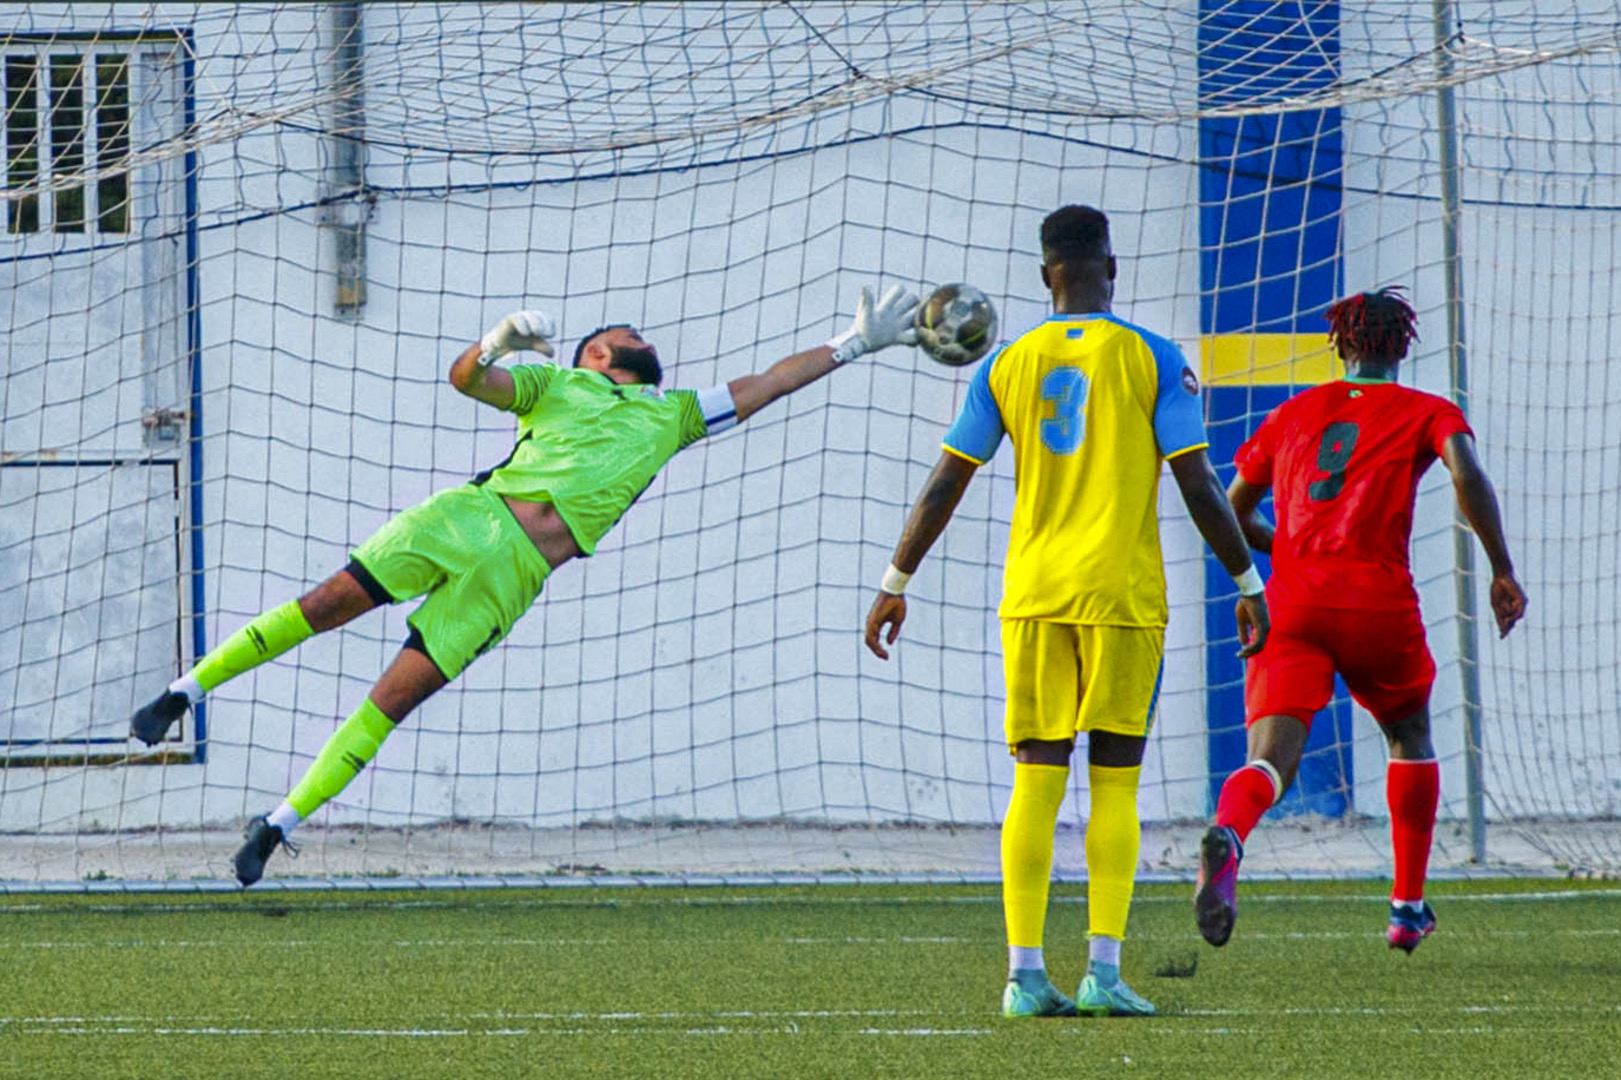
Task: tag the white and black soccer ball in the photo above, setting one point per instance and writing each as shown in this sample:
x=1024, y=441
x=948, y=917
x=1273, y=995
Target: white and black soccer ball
x=956, y=325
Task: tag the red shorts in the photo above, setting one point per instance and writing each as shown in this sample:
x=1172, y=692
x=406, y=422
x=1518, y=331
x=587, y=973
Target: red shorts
x=1382, y=656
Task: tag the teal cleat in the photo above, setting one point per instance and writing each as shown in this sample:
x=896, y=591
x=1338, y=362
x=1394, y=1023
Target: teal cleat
x=1110, y=997
x=1030, y=993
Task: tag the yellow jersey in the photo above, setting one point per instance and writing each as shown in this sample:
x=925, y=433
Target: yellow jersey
x=1093, y=405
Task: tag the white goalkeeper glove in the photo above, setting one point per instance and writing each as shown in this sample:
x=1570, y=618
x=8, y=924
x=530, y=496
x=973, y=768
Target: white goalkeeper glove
x=877, y=326
x=520, y=330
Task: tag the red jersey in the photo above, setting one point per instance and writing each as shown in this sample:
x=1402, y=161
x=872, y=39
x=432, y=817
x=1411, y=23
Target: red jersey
x=1343, y=461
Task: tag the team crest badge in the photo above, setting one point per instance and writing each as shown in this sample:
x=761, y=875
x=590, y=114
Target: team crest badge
x=1190, y=381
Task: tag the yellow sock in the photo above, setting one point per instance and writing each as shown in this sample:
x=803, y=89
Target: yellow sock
x=346, y=752
x=1027, y=849
x=1112, y=837
x=270, y=634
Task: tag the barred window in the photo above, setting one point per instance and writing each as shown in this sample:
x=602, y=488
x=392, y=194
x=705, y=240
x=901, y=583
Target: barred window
x=67, y=114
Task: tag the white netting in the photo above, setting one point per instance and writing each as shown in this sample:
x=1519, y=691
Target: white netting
x=199, y=421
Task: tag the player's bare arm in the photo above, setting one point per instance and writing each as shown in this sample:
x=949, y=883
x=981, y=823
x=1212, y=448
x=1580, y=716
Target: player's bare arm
x=751, y=393
x=474, y=373
x=877, y=326
x=933, y=509
x=1478, y=501
x=1246, y=502
x=1208, y=506
x=491, y=385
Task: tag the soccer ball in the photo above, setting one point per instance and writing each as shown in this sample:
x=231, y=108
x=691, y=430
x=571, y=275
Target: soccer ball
x=956, y=325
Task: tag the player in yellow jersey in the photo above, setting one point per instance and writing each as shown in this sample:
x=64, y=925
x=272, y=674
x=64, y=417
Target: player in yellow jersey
x=1093, y=405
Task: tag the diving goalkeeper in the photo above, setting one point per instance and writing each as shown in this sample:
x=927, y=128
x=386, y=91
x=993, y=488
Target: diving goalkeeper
x=590, y=440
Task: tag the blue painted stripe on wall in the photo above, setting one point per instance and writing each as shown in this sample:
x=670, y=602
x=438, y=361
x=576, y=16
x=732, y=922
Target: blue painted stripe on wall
x=1270, y=198
x=1275, y=265
x=1270, y=187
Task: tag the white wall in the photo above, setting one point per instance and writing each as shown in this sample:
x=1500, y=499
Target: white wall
x=706, y=663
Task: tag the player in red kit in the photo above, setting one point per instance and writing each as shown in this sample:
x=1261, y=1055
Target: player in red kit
x=1343, y=461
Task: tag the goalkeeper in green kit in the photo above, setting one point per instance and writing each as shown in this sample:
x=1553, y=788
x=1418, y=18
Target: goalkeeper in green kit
x=590, y=440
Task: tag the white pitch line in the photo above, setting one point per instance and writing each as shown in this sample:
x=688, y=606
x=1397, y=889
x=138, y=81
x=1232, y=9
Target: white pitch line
x=1453, y=930
x=666, y=899
x=727, y=1014
x=723, y=1031
x=464, y=1033
x=927, y=1031
x=878, y=941
x=1380, y=1010
x=1552, y=896
x=716, y=1021
x=200, y=1022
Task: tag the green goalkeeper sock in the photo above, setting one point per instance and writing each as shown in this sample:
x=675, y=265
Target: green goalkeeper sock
x=268, y=636
x=341, y=759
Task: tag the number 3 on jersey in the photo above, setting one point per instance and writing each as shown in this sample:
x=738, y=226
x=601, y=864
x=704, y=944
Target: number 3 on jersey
x=1066, y=388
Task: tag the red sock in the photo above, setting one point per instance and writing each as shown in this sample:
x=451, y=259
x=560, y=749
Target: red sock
x=1412, y=788
x=1247, y=794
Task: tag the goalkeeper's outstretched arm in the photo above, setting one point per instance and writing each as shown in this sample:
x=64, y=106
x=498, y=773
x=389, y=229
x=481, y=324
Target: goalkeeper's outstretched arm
x=934, y=507
x=474, y=373
x=877, y=326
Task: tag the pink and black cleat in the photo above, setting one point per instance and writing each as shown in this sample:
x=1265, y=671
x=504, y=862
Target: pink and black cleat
x=1215, y=898
x=1408, y=927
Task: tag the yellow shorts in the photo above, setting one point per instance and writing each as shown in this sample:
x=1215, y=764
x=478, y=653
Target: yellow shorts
x=465, y=550
x=1066, y=677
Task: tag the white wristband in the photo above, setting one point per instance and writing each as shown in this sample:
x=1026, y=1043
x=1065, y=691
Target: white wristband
x=846, y=347
x=1250, y=583
x=894, y=582
x=489, y=350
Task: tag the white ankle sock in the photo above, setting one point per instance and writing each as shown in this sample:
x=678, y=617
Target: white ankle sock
x=1020, y=958
x=1105, y=950
x=187, y=685
x=285, y=818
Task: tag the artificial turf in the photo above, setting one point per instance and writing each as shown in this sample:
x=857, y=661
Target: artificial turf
x=1520, y=980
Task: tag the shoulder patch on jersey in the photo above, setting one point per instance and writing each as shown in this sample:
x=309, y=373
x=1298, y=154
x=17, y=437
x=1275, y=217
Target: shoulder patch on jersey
x=1190, y=381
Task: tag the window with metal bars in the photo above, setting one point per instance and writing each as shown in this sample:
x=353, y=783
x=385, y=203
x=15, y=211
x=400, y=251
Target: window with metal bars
x=67, y=116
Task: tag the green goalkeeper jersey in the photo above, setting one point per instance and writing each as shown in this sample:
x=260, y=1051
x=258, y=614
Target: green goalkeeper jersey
x=590, y=446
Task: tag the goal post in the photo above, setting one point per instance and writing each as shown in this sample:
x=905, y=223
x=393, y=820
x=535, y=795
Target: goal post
x=243, y=244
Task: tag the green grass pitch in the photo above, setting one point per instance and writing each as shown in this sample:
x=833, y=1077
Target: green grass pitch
x=1520, y=980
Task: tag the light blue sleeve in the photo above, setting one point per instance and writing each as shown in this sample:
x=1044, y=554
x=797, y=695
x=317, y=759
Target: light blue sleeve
x=978, y=430
x=1178, y=405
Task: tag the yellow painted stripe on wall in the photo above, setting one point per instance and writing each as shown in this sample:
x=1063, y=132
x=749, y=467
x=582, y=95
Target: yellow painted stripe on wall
x=1268, y=359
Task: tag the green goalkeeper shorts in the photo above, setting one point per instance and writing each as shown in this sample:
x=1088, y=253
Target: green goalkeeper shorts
x=465, y=550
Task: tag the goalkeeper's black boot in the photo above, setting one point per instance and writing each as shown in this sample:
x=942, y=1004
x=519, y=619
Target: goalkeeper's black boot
x=153, y=720
x=263, y=838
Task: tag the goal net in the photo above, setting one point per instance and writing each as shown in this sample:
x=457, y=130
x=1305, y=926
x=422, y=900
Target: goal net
x=243, y=243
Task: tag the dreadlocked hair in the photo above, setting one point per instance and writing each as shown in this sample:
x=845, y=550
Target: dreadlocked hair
x=1373, y=326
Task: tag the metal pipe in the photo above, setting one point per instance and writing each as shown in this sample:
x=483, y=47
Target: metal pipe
x=1458, y=372
x=346, y=209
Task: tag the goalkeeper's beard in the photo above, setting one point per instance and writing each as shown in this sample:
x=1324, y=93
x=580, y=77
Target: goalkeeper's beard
x=642, y=363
